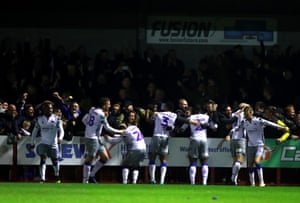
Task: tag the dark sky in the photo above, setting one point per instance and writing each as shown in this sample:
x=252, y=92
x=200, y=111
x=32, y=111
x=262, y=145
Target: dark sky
x=88, y=13
x=228, y=7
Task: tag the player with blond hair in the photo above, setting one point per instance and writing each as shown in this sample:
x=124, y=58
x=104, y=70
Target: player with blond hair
x=237, y=143
x=254, y=127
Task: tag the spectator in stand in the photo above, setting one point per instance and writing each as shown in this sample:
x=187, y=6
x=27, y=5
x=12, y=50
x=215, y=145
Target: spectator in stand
x=148, y=125
x=3, y=106
x=212, y=89
x=211, y=109
x=3, y=118
x=173, y=69
x=259, y=108
x=102, y=75
x=71, y=112
x=21, y=101
x=204, y=71
x=270, y=113
x=148, y=96
x=268, y=94
x=222, y=77
x=151, y=64
x=289, y=119
x=121, y=71
x=132, y=93
x=182, y=130
x=160, y=98
x=71, y=79
x=140, y=112
x=11, y=84
x=115, y=117
x=238, y=61
x=226, y=119
x=297, y=121
x=103, y=64
x=28, y=115
x=190, y=87
x=74, y=127
x=58, y=66
x=7, y=119
x=122, y=96
x=100, y=87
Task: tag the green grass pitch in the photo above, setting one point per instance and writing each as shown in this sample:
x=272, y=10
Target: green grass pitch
x=143, y=193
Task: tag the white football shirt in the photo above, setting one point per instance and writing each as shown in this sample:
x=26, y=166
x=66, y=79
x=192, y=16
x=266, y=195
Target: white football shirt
x=198, y=132
x=134, y=139
x=50, y=128
x=240, y=133
x=162, y=120
x=255, y=130
x=94, y=121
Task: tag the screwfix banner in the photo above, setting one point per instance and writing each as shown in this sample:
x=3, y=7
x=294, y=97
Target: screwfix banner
x=72, y=153
x=285, y=155
x=210, y=31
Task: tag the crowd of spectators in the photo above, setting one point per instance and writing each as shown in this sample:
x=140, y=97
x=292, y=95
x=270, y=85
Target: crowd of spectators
x=230, y=77
x=75, y=81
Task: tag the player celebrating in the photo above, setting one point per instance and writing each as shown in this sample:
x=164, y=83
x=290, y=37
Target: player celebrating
x=136, y=148
x=254, y=127
x=51, y=130
x=198, y=147
x=237, y=144
x=94, y=121
x=163, y=125
x=135, y=145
